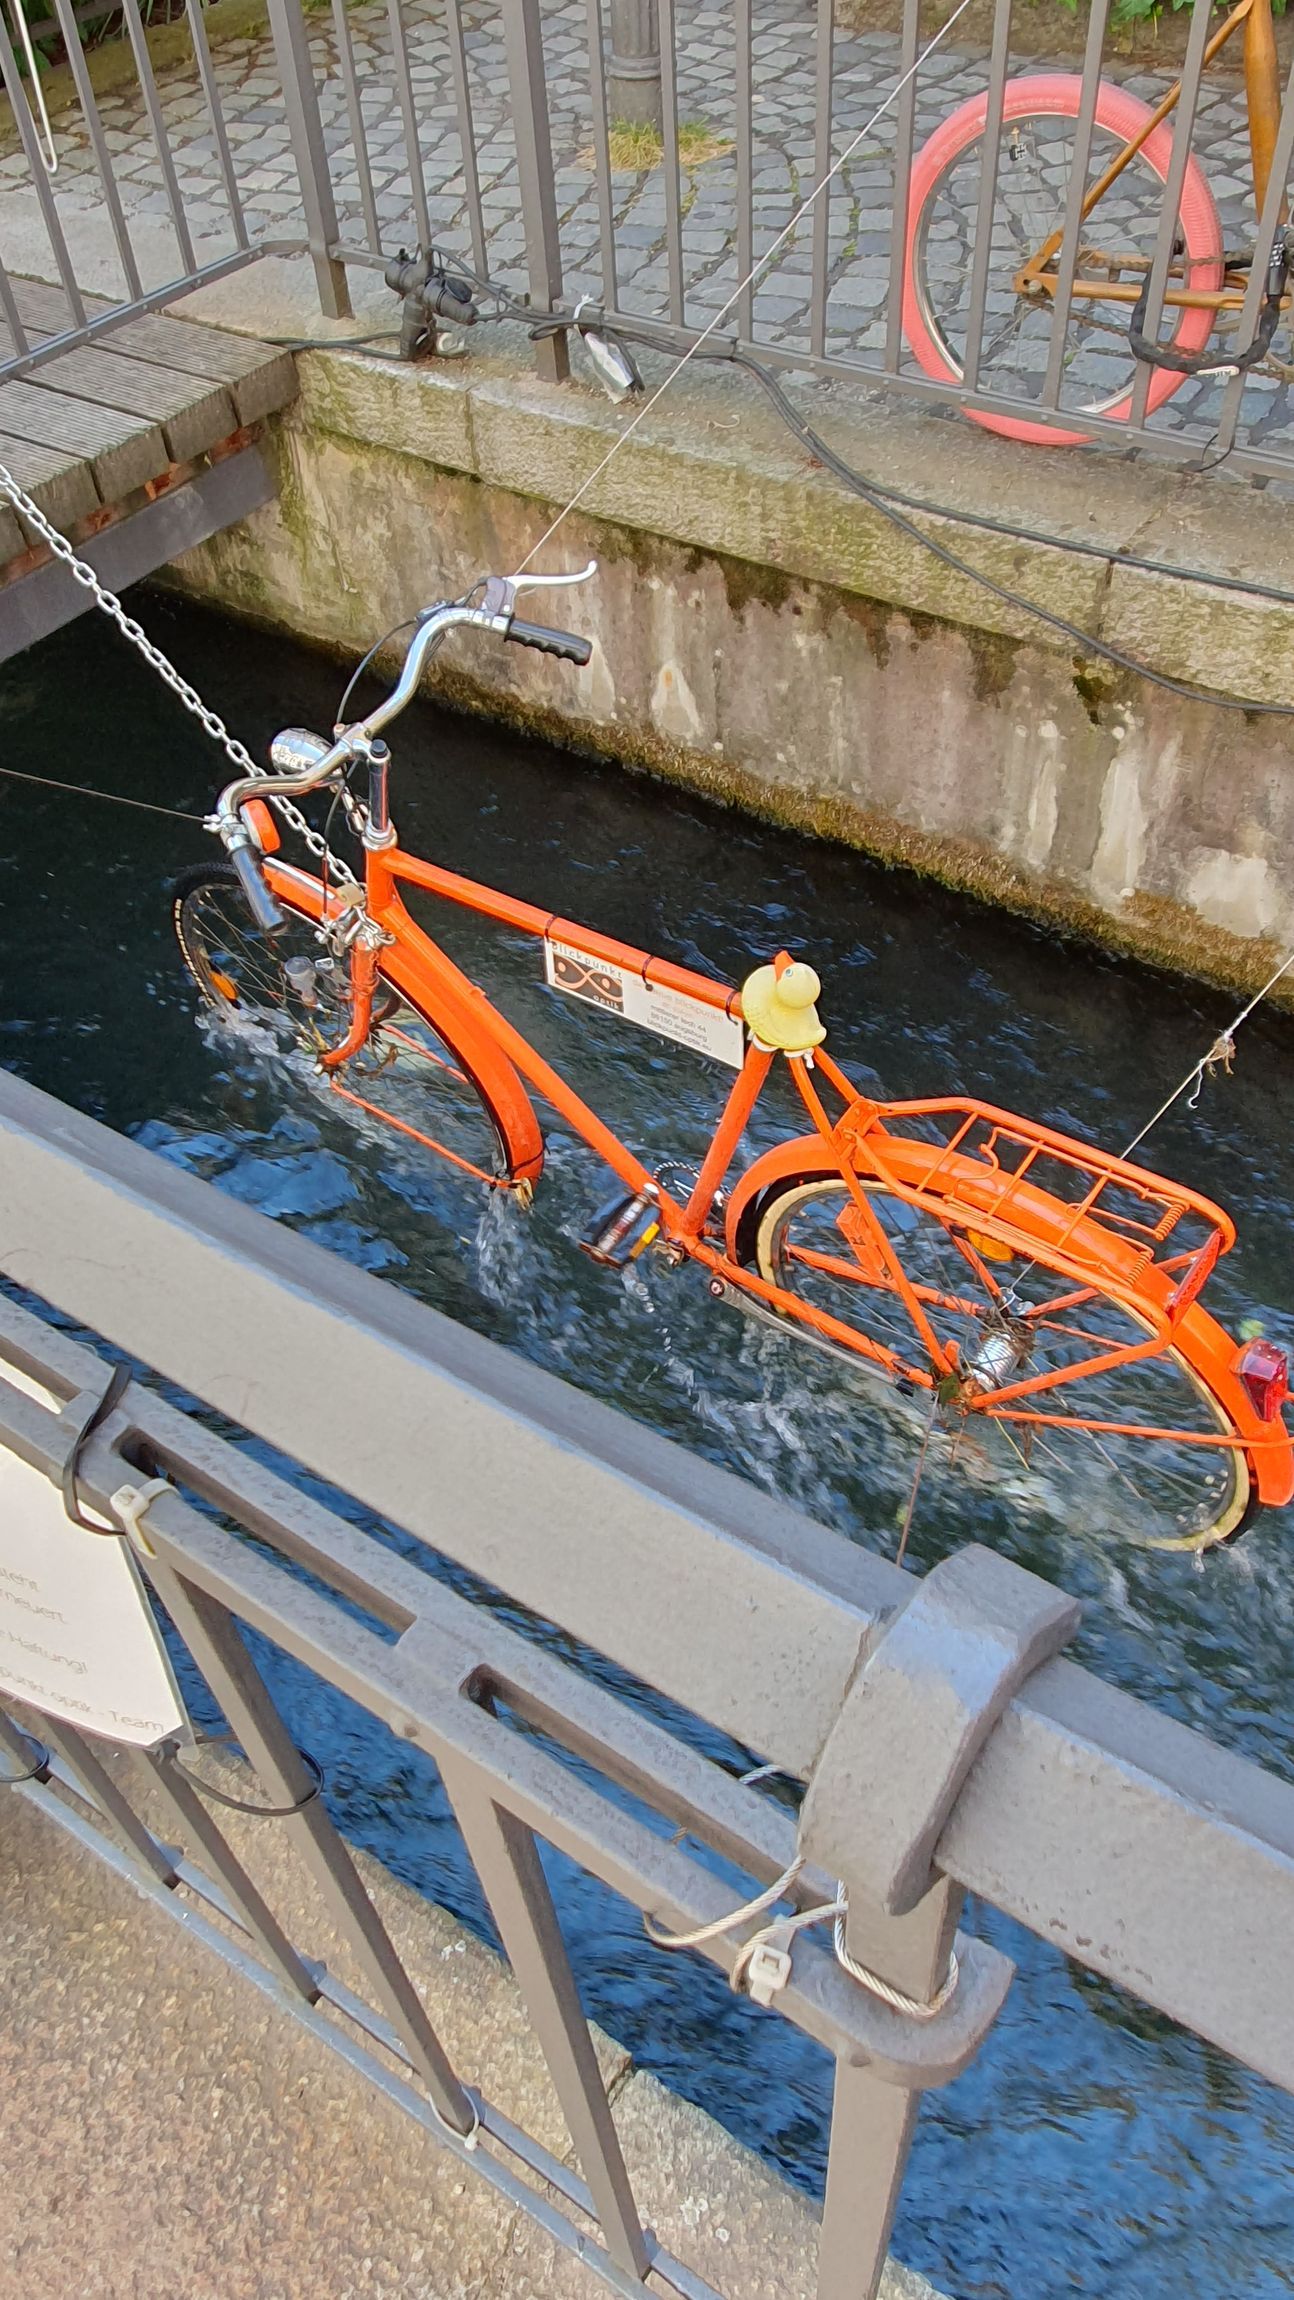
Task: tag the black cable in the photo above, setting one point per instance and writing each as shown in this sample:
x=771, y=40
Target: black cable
x=406, y=623
x=1081, y=639
x=331, y=342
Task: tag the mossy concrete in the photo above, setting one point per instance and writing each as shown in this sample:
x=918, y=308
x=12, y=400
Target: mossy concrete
x=764, y=635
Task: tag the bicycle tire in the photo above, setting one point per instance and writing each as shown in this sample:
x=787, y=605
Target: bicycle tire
x=459, y=1073
x=1193, y=1496
x=1122, y=116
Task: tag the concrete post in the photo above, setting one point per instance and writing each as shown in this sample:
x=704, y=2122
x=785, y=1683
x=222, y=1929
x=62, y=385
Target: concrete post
x=633, y=72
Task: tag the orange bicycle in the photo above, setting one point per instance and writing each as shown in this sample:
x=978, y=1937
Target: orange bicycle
x=1018, y=1282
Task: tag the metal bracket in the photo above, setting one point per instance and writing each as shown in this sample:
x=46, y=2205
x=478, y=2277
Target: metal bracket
x=916, y=1716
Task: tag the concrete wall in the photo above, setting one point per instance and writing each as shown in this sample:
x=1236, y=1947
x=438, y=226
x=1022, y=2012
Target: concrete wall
x=765, y=636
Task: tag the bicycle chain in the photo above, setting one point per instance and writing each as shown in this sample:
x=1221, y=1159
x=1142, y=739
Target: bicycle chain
x=237, y=753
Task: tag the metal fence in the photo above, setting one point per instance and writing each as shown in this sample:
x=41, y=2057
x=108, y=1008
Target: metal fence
x=944, y=1744
x=958, y=255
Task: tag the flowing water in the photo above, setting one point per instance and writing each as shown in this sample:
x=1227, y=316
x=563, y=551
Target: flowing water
x=1092, y=2148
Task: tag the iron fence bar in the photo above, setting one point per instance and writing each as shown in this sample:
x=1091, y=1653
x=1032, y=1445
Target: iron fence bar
x=601, y=145
x=1183, y=130
x=670, y=160
x=524, y=52
x=216, y=116
x=20, y=110
x=872, y=2129
x=873, y=2125
x=305, y=129
x=355, y=115
x=986, y=199
x=822, y=108
x=904, y=138
x=740, y=1608
x=198, y=1826
x=222, y=1656
x=157, y=124
x=1269, y=225
x=12, y=318
x=466, y=131
x=506, y=1859
x=1076, y=192
x=409, y=121
x=102, y=157
x=743, y=69
x=96, y=1784
x=358, y=130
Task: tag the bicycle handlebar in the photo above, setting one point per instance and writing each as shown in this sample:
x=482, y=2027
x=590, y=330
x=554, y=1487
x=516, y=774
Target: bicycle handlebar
x=547, y=642
x=352, y=742
x=260, y=901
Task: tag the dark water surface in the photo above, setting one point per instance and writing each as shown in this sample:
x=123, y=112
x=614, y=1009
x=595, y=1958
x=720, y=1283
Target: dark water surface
x=1092, y=2149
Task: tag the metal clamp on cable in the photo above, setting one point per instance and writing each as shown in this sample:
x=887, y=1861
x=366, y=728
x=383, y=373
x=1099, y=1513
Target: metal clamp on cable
x=916, y=1717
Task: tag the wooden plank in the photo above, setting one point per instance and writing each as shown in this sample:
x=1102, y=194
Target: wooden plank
x=194, y=414
x=34, y=604
x=260, y=378
x=123, y=451
x=57, y=480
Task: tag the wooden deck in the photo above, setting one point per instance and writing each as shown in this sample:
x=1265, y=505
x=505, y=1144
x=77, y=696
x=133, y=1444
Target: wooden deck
x=136, y=446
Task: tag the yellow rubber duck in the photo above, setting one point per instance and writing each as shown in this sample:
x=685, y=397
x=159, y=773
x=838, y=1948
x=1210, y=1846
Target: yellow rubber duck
x=778, y=1003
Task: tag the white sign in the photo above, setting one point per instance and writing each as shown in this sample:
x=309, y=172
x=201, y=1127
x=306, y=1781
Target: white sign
x=77, y=1633
x=618, y=990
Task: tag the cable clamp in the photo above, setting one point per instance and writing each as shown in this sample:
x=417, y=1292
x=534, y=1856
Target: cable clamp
x=132, y=1502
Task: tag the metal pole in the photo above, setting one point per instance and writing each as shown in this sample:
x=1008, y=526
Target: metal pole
x=301, y=102
x=633, y=75
x=524, y=47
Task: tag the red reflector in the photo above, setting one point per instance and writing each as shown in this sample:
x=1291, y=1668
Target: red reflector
x=1264, y=1371
x=263, y=827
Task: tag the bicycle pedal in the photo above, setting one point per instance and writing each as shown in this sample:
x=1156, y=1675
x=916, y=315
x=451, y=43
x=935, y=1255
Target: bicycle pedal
x=620, y=1232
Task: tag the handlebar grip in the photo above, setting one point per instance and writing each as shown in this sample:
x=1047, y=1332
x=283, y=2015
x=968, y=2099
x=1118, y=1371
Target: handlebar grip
x=260, y=901
x=546, y=642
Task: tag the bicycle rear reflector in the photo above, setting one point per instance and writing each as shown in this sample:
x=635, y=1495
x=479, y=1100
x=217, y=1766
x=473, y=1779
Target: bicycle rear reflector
x=1264, y=1370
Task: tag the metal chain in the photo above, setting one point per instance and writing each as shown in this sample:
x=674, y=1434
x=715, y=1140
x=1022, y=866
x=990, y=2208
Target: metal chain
x=211, y=724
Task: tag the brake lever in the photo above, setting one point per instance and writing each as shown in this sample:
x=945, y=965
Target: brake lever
x=501, y=591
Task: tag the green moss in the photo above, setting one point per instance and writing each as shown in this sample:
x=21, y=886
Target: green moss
x=1095, y=689
x=993, y=662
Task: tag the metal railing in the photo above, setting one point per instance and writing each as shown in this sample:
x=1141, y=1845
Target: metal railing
x=944, y=1745
x=499, y=131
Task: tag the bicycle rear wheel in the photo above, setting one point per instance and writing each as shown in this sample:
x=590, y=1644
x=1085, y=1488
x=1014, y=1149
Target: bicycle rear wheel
x=410, y=1075
x=1035, y=162
x=1164, y=1492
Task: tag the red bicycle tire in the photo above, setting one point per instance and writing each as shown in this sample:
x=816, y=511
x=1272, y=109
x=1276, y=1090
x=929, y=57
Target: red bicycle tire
x=1124, y=116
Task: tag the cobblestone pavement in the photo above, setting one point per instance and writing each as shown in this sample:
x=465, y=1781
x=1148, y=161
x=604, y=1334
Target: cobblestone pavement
x=865, y=69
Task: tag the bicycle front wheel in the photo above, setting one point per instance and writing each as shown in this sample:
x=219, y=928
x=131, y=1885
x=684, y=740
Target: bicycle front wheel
x=1035, y=163
x=1168, y=1491
x=410, y=1075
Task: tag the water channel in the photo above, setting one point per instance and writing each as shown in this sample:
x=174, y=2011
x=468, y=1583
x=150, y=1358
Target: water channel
x=1092, y=2148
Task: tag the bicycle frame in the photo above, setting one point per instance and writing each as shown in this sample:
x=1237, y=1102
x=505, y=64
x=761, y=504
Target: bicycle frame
x=1003, y=1203
x=1263, y=105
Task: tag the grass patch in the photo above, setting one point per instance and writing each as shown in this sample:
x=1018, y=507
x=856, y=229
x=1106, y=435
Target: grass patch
x=637, y=147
